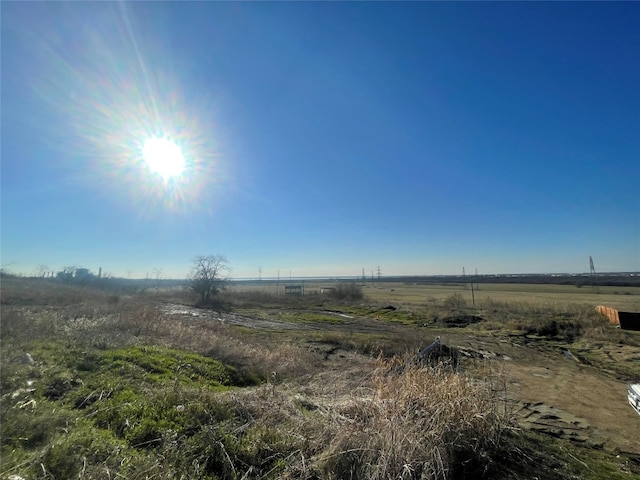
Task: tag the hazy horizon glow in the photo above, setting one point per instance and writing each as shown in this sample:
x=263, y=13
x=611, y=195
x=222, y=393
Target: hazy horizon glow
x=321, y=139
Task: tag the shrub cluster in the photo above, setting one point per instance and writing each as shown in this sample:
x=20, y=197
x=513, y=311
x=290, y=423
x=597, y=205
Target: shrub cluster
x=347, y=291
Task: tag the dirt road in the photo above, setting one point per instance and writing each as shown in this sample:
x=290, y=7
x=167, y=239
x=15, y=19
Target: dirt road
x=558, y=395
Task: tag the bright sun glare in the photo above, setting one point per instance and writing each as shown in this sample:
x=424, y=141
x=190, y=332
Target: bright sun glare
x=163, y=157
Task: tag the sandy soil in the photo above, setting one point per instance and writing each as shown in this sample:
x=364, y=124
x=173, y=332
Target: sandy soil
x=557, y=394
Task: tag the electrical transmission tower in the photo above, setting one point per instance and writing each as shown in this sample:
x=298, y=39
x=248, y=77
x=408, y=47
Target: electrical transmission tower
x=379, y=273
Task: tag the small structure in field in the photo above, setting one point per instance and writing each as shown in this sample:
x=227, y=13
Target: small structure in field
x=626, y=320
x=293, y=290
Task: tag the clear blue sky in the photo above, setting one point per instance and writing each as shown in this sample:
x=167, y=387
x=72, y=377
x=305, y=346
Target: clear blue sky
x=322, y=138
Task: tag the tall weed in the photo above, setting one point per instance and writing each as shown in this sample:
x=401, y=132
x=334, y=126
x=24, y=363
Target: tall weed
x=422, y=423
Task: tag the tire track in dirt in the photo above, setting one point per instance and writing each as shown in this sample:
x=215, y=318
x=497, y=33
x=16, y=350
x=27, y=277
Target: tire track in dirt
x=228, y=318
x=343, y=322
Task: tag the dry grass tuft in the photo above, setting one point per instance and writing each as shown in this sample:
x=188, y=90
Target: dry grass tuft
x=422, y=423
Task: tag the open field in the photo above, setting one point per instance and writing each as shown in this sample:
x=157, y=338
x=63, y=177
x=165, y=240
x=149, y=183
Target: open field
x=147, y=386
x=619, y=297
x=624, y=298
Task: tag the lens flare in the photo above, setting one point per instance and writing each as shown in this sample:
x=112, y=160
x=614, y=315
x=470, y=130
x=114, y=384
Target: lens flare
x=163, y=157
x=119, y=108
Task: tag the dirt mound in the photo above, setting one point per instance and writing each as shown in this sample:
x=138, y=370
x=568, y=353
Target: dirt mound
x=460, y=320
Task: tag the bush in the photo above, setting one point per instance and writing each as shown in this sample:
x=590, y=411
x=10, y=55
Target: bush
x=350, y=291
x=455, y=301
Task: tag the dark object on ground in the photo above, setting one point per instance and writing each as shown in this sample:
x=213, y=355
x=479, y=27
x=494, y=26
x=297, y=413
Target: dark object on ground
x=629, y=320
x=437, y=354
x=59, y=387
x=626, y=320
x=461, y=320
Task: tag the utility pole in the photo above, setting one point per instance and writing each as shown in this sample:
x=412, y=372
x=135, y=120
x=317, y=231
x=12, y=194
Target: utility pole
x=592, y=275
x=473, y=295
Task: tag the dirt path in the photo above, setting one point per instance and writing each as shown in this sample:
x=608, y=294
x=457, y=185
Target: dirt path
x=581, y=391
x=558, y=395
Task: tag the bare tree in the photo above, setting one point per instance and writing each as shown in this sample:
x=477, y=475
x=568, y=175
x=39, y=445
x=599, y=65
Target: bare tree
x=42, y=270
x=208, y=276
x=66, y=274
x=348, y=291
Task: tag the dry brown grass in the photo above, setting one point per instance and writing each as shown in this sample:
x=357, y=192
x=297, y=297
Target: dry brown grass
x=96, y=322
x=421, y=423
x=312, y=416
x=622, y=298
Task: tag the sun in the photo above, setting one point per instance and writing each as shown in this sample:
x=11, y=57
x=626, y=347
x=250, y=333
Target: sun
x=163, y=157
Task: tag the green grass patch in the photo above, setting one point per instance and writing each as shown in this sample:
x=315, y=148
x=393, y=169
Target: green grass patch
x=157, y=364
x=103, y=409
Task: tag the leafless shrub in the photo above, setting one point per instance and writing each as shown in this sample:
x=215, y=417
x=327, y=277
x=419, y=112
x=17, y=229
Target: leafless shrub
x=209, y=274
x=347, y=291
x=455, y=301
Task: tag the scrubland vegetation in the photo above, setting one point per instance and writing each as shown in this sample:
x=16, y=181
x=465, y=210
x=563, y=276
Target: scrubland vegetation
x=144, y=386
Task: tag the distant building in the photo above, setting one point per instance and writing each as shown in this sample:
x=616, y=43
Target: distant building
x=293, y=290
x=82, y=273
x=70, y=274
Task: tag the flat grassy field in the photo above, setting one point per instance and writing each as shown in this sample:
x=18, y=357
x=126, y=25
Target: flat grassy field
x=620, y=298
